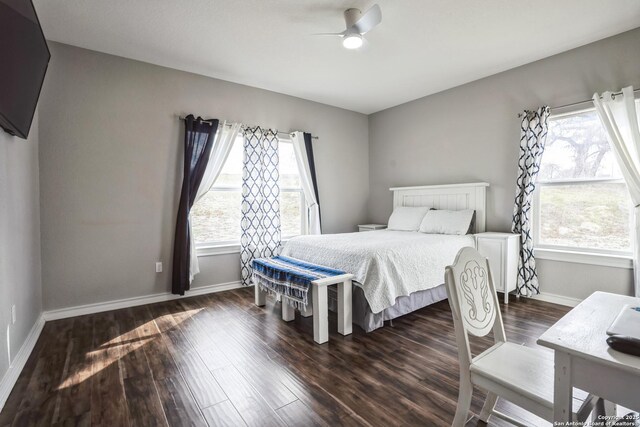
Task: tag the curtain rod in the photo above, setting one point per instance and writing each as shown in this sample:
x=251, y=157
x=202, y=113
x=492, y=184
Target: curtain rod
x=279, y=132
x=581, y=102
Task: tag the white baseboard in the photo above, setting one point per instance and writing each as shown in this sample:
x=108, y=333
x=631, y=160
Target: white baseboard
x=557, y=299
x=15, y=368
x=81, y=310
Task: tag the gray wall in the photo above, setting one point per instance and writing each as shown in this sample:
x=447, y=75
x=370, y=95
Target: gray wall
x=111, y=148
x=111, y=162
x=471, y=133
x=20, y=282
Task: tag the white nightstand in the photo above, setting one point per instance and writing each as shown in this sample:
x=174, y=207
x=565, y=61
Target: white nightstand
x=502, y=250
x=371, y=227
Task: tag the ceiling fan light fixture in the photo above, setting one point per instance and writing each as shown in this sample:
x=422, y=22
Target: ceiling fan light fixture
x=352, y=41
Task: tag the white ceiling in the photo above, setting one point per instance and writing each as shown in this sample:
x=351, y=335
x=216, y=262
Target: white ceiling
x=421, y=46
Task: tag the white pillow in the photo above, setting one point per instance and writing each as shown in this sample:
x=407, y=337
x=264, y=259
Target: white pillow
x=406, y=218
x=447, y=222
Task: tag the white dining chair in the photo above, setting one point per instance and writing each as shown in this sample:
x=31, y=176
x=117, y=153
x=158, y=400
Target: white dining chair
x=519, y=374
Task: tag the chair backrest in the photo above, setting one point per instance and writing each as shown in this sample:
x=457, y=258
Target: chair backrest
x=473, y=300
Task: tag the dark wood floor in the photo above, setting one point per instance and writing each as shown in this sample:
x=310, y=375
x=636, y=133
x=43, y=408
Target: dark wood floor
x=219, y=360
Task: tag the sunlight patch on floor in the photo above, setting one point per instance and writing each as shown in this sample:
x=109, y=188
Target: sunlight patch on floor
x=115, y=349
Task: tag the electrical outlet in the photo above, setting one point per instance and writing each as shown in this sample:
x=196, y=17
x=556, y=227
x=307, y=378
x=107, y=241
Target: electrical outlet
x=158, y=267
x=13, y=315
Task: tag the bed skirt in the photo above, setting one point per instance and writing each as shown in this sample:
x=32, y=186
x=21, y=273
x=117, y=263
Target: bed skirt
x=369, y=321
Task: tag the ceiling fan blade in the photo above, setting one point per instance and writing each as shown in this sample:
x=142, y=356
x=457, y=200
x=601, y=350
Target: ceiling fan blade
x=369, y=20
x=329, y=34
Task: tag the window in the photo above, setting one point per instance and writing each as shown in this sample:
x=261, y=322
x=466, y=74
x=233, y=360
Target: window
x=216, y=217
x=581, y=201
x=293, y=211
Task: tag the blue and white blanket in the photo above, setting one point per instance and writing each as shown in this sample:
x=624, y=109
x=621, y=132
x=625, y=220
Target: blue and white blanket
x=289, y=277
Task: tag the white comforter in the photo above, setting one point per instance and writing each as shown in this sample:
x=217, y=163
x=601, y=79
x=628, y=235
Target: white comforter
x=387, y=264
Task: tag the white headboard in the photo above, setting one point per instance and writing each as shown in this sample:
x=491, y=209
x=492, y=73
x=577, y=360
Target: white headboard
x=454, y=197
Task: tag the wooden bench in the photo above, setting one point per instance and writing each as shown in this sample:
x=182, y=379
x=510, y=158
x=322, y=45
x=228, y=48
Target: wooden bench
x=320, y=306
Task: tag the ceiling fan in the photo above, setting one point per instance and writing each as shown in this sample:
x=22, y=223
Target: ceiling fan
x=358, y=24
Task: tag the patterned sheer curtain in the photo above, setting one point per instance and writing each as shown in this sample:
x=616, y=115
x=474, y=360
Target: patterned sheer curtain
x=533, y=135
x=260, y=222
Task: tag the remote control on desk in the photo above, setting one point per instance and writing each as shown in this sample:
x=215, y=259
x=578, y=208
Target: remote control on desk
x=624, y=344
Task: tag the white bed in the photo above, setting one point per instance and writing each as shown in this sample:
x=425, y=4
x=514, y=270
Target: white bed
x=387, y=264
x=396, y=271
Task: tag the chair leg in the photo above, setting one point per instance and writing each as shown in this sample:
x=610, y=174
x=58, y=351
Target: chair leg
x=487, y=408
x=610, y=408
x=464, y=403
x=604, y=410
x=597, y=408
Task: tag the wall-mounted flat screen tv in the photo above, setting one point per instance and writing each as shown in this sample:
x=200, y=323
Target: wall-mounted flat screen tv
x=24, y=57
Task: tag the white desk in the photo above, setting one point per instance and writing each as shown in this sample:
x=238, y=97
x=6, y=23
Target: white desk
x=584, y=360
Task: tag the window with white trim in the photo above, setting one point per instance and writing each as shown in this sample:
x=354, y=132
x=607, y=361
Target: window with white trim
x=215, y=218
x=581, y=202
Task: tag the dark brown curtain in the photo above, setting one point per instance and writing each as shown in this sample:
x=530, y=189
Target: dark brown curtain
x=312, y=168
x=198, y=141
